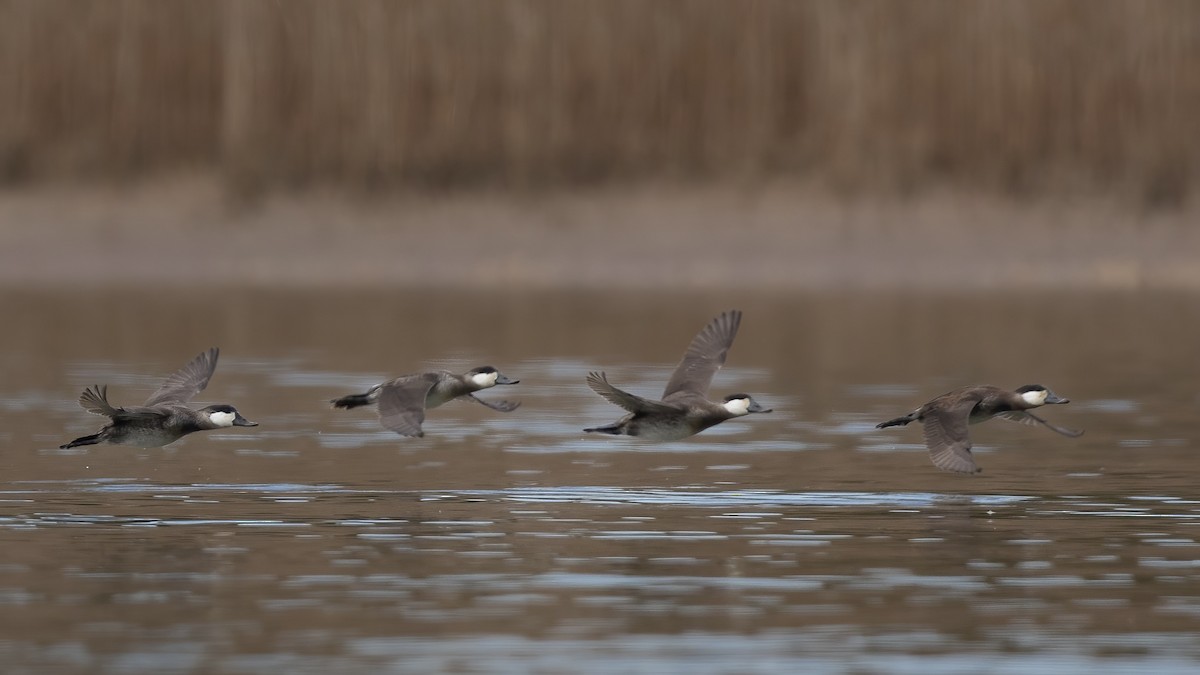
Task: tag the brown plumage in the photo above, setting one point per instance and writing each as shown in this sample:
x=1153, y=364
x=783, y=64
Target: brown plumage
x=684, y=409
x=947, y=417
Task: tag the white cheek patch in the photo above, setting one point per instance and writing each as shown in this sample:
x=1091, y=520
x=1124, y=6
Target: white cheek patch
x=738, y=406
x=484, y=379
x=1035, y=397
x=222, y=419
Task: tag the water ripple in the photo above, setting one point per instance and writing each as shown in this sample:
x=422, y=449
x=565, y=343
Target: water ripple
x=728, y=498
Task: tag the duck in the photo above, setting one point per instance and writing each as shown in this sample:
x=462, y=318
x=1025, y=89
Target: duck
x=946, y=418
x=165, y=417
x=684, y=409
x=402, y=401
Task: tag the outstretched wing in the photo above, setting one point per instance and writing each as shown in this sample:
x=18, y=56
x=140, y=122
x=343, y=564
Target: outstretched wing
x=947, y=437
x=402, y=404
x=705, y=355
x=94, y=399
x=186, y=382
x=635, y=404
x=502, y=406
x=1024, y=417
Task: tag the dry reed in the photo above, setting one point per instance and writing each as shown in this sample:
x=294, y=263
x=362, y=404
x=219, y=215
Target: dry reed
x=1013, y=95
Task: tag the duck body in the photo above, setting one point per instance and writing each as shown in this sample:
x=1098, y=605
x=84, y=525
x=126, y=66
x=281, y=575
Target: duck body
x=159, y=426
x=674, y=420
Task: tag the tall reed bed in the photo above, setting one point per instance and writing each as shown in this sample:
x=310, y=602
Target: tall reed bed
x=1003, y=94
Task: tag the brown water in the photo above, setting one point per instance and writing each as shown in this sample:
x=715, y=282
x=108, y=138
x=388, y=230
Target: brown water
x=800, y=541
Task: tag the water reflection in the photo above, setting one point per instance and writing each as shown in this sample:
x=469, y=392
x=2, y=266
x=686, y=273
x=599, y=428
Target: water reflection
x=808, y=541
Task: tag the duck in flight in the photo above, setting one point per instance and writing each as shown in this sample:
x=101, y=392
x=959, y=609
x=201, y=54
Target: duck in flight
x=165, y=417
x=402, y=402
x=947, y=417
x=684, y=409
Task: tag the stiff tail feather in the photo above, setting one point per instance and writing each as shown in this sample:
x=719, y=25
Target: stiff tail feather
x=82, y=440
x=612, y=429
x=897, y=422
x=352, y=401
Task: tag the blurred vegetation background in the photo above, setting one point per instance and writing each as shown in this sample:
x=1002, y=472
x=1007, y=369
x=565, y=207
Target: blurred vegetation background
x=1015, y=96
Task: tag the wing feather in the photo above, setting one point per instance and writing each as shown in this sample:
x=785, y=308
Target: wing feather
x=502, y=406
x=402, y=404
x=947, y=436
x=186, y=382
x=94, y=399
x=1028, y=418
x=1018, y=416
x=705, y=355
x=634, y=404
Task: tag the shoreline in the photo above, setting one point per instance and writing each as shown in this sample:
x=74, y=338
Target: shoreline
x=186, y=232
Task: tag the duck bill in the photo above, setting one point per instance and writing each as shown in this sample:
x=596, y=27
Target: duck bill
x=502, y=379
x=756, y=408
x=240, y=421
x=1051, y=397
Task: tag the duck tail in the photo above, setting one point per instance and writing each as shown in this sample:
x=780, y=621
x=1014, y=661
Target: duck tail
x=611, y=429
x=352, y=401
x=897, y=422
x=82, y=440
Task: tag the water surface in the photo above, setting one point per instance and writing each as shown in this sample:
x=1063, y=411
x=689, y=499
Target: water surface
x=803, y=540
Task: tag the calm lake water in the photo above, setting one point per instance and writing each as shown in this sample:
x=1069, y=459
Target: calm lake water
x=800, y=541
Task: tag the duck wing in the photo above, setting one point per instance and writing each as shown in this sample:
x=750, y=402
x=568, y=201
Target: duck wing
x=947, y=437
x=1023, y=417
x=705, y=355
x=140, y=414
x=402, y=404
x=502, y=406
x=94, y=399
x=634, y=404
x=186, y=382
